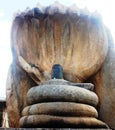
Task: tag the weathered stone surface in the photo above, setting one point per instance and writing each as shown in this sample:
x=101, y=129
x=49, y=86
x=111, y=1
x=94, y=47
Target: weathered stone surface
x=16, y=93
x=104, y=82
x=61, y=109
x=79, y=43
x=53, y=93
x=63, y=122
x=88, y=86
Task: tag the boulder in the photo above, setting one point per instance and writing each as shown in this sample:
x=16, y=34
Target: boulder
x=54, y=93
x=47, y=121
x=61, y=109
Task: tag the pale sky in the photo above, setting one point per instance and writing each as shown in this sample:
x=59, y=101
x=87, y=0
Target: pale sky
x=7, y=8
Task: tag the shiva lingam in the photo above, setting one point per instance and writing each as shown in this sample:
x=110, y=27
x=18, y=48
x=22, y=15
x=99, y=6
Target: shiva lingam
x=58, y=103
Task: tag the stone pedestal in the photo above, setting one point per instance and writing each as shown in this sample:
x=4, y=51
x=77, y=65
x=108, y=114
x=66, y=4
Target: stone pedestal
x=61, y=104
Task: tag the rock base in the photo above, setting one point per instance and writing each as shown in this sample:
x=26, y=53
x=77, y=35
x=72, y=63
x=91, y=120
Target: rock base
x=63, y=122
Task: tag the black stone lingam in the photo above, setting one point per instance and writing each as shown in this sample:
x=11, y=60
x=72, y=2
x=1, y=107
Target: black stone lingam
x=59, y=103
x=57, y=72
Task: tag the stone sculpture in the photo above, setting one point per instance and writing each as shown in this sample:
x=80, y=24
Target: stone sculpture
x=57, y=104
x=81, y=44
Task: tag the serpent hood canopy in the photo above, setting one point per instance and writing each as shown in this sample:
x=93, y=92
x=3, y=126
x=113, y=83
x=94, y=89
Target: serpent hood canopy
x=75, y=39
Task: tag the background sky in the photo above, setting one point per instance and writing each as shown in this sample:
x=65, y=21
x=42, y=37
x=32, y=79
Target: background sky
x=7, y=8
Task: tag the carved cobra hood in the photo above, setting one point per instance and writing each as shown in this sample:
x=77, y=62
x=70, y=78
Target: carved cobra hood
x=72, y=38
